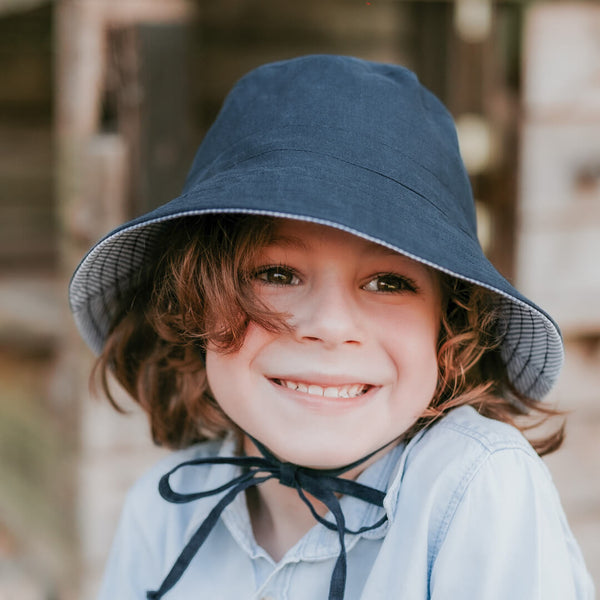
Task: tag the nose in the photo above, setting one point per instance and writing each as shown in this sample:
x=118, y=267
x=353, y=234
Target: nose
x=329, y=313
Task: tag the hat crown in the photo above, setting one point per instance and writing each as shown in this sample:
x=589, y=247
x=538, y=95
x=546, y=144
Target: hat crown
x=374, y=116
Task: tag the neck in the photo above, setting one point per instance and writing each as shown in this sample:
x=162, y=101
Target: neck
x=278, y=515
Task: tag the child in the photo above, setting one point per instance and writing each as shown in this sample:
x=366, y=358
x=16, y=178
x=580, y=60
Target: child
x=314, y=328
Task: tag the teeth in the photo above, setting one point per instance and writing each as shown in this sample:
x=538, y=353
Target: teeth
x=356, y=389
x=343, y=391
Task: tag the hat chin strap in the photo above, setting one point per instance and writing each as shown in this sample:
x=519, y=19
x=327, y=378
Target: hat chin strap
x=322, y=484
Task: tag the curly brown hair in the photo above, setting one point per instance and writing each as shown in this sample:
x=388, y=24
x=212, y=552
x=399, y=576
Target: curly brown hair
x=196, y=290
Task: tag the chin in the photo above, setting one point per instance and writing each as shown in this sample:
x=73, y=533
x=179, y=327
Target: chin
x=317, y=455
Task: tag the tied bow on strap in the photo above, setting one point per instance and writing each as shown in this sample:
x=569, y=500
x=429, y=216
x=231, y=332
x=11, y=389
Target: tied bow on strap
x=322, y=484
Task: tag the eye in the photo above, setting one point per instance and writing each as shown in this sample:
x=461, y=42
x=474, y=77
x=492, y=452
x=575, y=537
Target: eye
x=390, y=283
x=277, y=275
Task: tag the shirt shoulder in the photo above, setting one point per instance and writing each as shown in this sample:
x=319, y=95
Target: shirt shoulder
x=151, y=531
x=464, y=425
x=466, y=449
x=440, y=464
x=148, y=481
x=496, y=508
x=464, y=438
x=143, y=497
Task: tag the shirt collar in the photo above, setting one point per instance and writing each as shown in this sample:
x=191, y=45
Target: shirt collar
x=385, y=473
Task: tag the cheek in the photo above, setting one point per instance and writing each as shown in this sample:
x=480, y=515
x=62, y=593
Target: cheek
x=429, y=366
x=421, y=324
x=217, y=367
x=429, y=335
x=228, y=383
x=412, y=341
x=230, y=375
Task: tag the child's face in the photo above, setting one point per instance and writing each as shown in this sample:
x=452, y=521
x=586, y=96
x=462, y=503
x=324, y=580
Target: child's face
x=359, y=366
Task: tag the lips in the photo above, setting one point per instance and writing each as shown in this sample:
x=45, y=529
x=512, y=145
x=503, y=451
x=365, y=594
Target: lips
x=352, y=390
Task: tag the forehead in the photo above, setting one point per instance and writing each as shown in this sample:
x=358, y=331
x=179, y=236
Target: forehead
x=303, y=235
x=322, y=242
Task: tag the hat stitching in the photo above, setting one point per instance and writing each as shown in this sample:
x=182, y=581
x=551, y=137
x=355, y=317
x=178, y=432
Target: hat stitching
x=537, y=377
x=524, y=366
x=511, y=319
x=343, y=160
x=214, y=182
x=94, y=323
x=364, y=135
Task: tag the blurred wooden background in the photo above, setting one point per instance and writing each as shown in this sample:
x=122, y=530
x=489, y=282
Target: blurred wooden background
x=102, y=103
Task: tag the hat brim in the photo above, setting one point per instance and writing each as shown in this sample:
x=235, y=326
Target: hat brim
x=339, y=194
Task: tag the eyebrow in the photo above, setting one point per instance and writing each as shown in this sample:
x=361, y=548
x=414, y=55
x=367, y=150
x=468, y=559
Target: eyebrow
x=288, y=240
x=294, y=241
x=384, y=250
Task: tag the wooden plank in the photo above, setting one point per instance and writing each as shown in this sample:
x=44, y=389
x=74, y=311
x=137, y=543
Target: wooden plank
x=10, y=7
x=150, y=74
x=130, y=12
x=565, y=36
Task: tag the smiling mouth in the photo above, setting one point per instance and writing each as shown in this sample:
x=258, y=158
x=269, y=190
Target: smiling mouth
x=353, y=390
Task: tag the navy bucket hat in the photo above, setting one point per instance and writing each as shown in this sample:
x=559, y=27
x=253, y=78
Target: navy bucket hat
x=356, y=145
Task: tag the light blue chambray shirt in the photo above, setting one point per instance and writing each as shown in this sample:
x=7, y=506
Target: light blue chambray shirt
x=472, y=515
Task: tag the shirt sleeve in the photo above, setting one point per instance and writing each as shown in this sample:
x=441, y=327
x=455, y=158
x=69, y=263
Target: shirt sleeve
x=132, y=564
x=507, y=537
